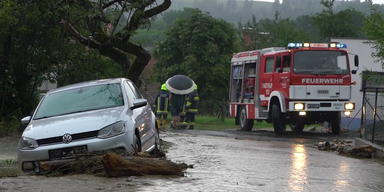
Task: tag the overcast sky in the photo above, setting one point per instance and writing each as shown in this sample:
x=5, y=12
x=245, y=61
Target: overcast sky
x=374, y=1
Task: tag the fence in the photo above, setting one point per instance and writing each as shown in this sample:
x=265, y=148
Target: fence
x=372, y=116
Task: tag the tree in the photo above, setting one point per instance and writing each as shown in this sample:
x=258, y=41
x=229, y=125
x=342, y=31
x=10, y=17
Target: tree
x=374, y=29
x=199, y=47
x=97, y=23
x=273, y=33
x=286, y=9
x=170, y=17
x=34, y=49
x=329, y=24
x=275, y=8
x=31, y=43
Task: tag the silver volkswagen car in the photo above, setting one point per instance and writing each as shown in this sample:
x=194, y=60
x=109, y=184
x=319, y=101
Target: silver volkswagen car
x=84, y=117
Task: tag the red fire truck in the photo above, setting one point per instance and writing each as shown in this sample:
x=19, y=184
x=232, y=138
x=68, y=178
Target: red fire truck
x=303, y=84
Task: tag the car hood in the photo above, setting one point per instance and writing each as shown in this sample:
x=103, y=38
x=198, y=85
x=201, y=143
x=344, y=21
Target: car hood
x=72, y=123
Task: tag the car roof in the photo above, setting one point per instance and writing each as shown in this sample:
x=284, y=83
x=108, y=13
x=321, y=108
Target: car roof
x=87, y=83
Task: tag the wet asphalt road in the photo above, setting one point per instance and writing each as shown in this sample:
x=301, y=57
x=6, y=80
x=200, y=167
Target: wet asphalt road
x=232, y=161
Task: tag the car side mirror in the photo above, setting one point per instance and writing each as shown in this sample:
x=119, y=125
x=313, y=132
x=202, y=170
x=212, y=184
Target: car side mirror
x=356, y=60
x=26, y=120
x=137, y=103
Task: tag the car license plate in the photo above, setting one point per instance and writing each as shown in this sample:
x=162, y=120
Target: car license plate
x=313, y=106
x=322, y=92
x=65, y=152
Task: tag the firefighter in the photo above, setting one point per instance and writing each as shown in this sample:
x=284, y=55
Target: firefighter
x=191, y=106
x=161, y=106
x=183, y=112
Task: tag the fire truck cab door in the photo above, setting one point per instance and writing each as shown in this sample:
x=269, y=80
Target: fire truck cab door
x=282, y=73
x=266, y=78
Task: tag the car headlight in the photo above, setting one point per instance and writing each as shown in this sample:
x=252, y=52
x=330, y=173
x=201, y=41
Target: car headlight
x=112, y=130
x=28, y=143
x=299, y=106
x=349, y=106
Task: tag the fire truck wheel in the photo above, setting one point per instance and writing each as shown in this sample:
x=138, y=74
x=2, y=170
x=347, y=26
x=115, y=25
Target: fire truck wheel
x=296, y=124
x=336, y=123
x=278, y=120
x=245, y=124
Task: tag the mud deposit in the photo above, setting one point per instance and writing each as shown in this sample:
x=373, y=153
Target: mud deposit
x=229, y=161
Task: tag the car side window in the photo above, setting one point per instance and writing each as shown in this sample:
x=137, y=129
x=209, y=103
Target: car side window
x=130, y=94
x=135, y=90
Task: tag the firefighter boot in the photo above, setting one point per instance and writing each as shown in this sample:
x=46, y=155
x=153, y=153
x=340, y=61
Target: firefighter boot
x=184, y=125
x=164, y=122
x=192, y=126
x=158, y=123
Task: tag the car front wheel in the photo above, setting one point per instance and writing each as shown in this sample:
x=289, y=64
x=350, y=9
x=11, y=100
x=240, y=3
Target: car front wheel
x=137, y=143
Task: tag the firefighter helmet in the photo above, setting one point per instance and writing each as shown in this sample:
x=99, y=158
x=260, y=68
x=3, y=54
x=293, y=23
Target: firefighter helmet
x=163, y=87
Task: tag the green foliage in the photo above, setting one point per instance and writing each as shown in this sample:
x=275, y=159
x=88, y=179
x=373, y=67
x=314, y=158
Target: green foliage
x=372, y=78
x=148, y=38
x=11, y=161
x=30, y=39
x=200, y=47
x=170, y=17
x=35, y=49
x=330, y=24
x=272, y=33
x=10, y=123
x=374, y=29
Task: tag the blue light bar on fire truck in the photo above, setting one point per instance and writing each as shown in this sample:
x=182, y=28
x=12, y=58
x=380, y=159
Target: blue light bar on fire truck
x=323, y=45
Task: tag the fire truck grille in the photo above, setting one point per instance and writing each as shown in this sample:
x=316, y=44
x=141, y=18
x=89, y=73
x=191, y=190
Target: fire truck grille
x=325, y=104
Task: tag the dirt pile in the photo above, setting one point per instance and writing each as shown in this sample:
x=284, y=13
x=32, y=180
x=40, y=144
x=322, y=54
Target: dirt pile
x=345, y=147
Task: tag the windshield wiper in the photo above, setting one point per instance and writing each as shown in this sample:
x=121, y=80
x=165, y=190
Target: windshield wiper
x=331, y=72
x=79, y=111
x=306, y=72
x=43, y=117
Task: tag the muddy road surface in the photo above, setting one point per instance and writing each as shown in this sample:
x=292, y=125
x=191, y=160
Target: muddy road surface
x=224, y=161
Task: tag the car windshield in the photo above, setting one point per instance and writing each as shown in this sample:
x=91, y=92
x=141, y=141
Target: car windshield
x=320, y=62
x=80, y=100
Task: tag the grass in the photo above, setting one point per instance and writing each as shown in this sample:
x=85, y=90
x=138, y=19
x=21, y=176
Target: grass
x=10, y=161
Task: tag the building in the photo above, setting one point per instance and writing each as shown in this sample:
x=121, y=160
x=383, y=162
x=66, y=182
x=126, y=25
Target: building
x=366, y=62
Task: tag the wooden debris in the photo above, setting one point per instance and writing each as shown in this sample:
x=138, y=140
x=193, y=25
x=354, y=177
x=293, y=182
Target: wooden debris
x=346, y=148
x=115, y=166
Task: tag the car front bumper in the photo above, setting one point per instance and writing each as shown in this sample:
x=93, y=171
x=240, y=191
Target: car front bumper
x=41, y=153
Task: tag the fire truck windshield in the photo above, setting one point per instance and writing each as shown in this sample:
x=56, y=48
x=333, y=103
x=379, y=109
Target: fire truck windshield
x=320, y=62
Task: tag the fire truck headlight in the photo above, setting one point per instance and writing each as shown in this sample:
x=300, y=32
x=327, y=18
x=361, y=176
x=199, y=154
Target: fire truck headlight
x=299, y=106
x=349, y=106
x=347, y=113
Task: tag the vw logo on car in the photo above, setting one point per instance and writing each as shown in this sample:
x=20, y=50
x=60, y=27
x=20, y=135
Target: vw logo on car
x=67, y=138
